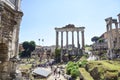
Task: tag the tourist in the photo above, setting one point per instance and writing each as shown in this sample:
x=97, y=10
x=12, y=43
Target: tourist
x=51, y=67
x=55, y=71
x=59, y=73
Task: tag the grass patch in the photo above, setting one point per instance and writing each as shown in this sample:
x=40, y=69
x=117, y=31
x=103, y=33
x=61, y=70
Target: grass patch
x=111, y=66
x=25, y=66
x=104, y=69
x=85, y=74
x=83, y=58
x=88, y=48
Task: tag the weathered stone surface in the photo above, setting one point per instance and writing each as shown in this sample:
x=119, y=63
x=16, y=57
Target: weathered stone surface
x=10, y=19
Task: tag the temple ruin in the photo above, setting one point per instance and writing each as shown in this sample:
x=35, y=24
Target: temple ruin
x=113, y=41
x=70, y=28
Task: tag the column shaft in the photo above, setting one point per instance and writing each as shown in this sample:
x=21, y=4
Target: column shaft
x=61, y=40
x=67, y=39
x=78, y=42
x=111, y=36
x=57, y=39
x=83, y=42
x=61, y=46
x=78, y=39
x=108, y=34
x=107, y=27
x=119, y=19
x=117, y=34
x=72, y=39
x=111, y=40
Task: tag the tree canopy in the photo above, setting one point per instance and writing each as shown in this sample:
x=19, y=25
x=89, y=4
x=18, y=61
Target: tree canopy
x=94, y=39
x=57, y=55
x=101, y=40
x=28, y=48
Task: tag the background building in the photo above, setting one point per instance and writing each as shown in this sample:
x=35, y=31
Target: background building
x=103, y=46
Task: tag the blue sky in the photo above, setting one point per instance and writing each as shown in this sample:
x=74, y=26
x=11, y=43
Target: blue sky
x=42, y=16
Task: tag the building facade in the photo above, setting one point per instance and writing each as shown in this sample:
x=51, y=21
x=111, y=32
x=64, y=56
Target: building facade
x=10, y=18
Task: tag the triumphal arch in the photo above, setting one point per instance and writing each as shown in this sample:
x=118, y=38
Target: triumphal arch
x=70, y=28
x=10, y=18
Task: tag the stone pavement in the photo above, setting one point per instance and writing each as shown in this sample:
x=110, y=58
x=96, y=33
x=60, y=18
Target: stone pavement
x=53, y=77
x=56, y=76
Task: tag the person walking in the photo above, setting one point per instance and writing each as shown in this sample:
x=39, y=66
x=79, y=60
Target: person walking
x=54, y=71
x=59, y=73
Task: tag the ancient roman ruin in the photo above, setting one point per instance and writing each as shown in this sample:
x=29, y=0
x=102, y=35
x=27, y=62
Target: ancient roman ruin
x=10, y=18
x=69, y=28
x=113, y=41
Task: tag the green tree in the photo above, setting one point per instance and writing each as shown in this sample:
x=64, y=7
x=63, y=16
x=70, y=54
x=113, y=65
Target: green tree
x=75, y=73
x=25, y=45
x=32, y=46
x=28, y=48
x=94, y=39
x=72, y=69
x=101, y=40
x=57, y=55
x=69, y=67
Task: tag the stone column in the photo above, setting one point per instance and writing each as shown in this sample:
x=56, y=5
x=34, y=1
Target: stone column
x=117, y=34
x=18, y=20
x=67, y=42
x=111, y=38
x=67, y=39
x=78, y=41
x=61, y=46
x=108, y=34
x=111, y=35
x=119, y=19
x=72, y=39
x=118, y=26
x=57, y=39
x=83, y=43
x=107, y=27
x=72, y=42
